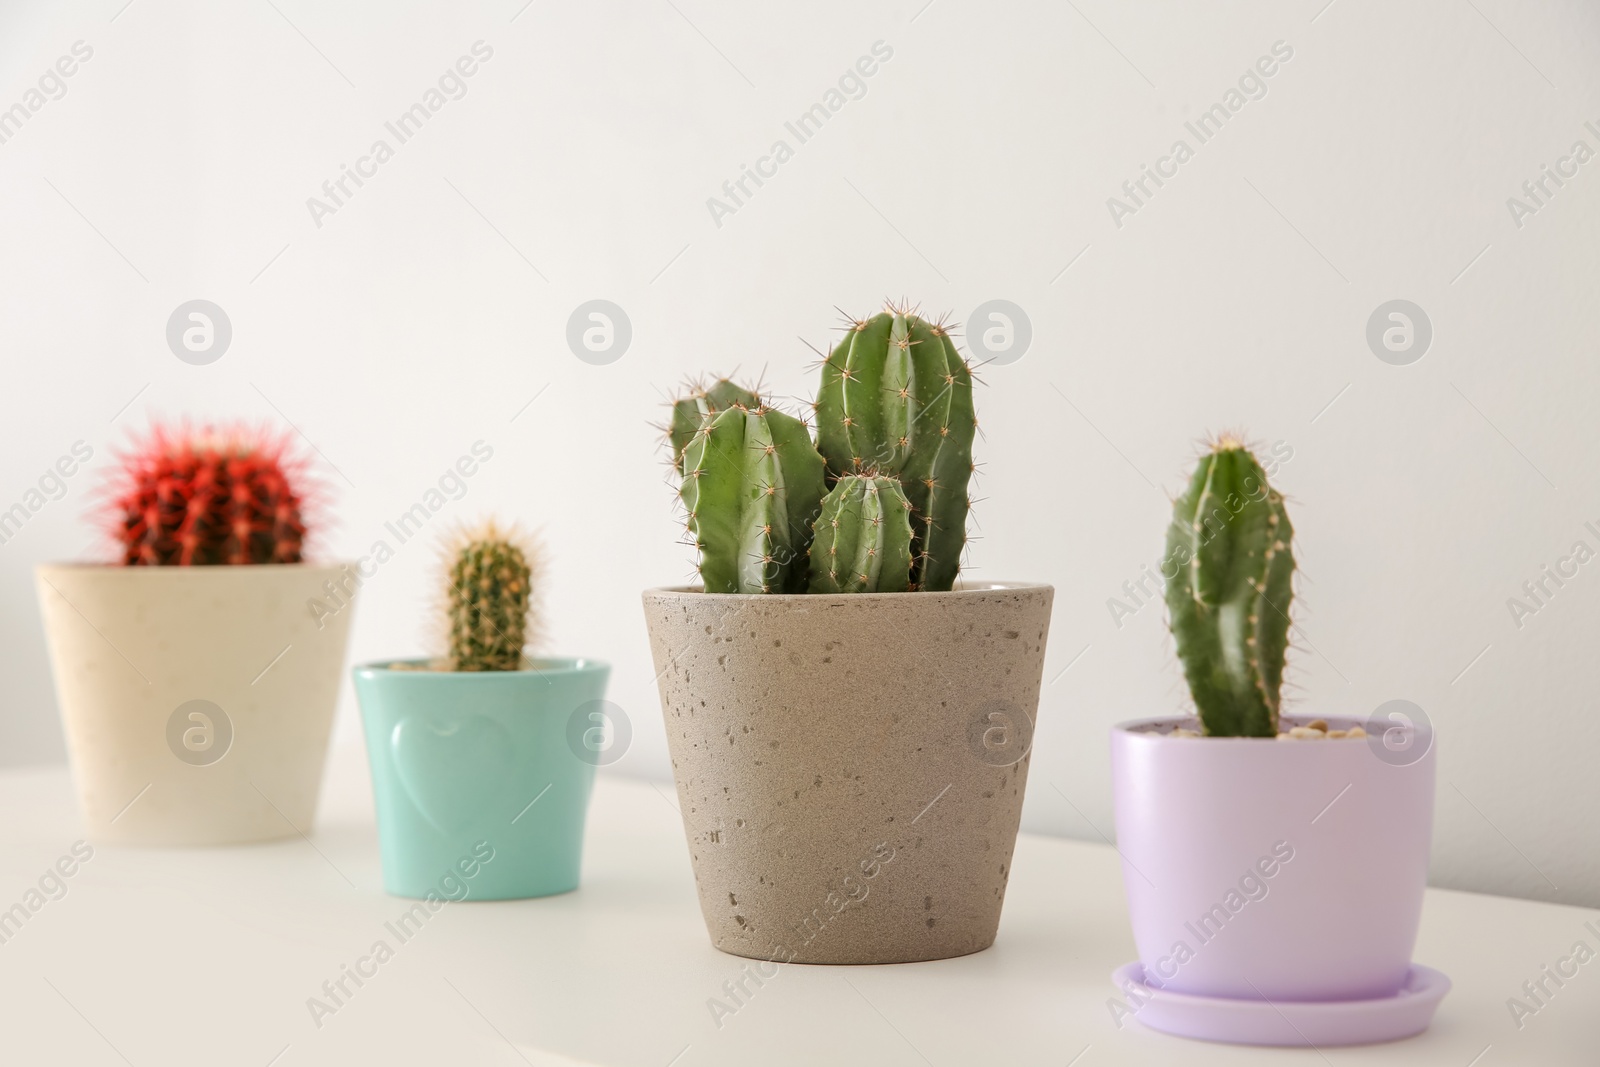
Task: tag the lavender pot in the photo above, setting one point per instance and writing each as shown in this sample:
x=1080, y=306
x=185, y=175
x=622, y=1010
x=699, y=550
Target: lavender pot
x=1278, y=870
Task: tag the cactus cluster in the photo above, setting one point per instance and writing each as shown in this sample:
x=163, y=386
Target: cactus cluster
x=490, y=596
x=1231, y=544
x=896, y=399
x=208, y=497
x=893, y=453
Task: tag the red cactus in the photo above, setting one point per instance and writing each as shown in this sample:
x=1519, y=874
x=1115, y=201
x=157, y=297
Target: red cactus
x=214, y=496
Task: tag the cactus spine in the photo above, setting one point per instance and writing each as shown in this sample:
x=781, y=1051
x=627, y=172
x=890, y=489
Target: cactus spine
x=753, y=485
x=489, y=600
x=896, y=398
x=690, y=411
x=863, y=538
x=1231, y=541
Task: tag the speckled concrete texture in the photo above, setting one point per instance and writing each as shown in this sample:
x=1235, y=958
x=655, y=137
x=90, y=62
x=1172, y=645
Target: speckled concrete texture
x=850, y=768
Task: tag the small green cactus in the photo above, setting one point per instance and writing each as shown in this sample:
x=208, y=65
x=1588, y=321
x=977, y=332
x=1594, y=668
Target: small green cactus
x=896, y=398
x=690, y=411
x=1231, y=541
x=490, y=599
x=753, y=485
x=863, y=537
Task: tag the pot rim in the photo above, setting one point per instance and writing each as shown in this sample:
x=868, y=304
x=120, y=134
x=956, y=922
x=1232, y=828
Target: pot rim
x=1139, y=728
x=853, y=598
x=103, y=566
x=556, y=667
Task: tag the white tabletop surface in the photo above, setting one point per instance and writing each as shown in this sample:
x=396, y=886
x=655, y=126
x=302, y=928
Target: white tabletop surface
x=158, y=958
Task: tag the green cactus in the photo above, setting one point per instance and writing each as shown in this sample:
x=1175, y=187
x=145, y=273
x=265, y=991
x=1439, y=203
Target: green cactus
x=489, y=600
x=689, y=411
x=863, y=537
x=1230, y=540
x=753, y=485
x=896, y=398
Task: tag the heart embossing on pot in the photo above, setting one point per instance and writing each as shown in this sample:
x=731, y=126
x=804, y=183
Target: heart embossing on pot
x=452, y=771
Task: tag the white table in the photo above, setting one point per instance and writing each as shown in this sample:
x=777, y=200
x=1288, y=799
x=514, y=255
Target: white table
x=208, y=957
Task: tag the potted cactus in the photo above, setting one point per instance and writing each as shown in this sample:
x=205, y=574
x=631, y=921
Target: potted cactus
x=482, y=751
x=850, y=731
x=196, y=688
x=1274, y=865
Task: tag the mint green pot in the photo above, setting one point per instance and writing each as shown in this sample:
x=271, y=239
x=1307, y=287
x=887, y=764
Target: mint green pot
x=480, y=794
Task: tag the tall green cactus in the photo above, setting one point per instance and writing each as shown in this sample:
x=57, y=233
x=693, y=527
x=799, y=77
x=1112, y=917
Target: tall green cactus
x=489, y=601
x=863, y=538
x=753, y=485
x=1230, y=539
x=896, y=398
x=689, y=411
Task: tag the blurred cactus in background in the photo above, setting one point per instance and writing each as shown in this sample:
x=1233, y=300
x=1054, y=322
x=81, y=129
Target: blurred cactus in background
x=490, y=599
x=185, y=497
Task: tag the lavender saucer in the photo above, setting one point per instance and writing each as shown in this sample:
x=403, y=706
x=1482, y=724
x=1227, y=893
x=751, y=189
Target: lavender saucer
x=1317, y=1024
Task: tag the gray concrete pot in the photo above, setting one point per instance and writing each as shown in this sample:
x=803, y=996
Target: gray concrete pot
x=850, y=768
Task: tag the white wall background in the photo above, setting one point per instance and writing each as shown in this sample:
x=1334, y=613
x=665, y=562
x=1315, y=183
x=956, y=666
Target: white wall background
x=431, y=308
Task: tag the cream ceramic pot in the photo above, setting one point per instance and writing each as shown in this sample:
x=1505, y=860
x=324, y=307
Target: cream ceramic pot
x=197, y=701
x=850, y=768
